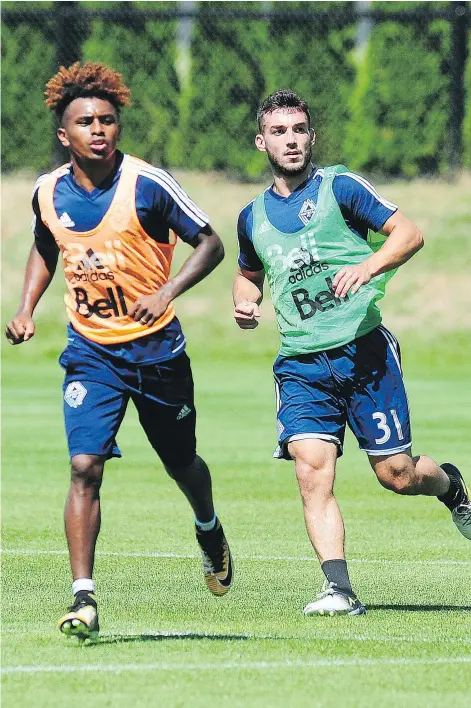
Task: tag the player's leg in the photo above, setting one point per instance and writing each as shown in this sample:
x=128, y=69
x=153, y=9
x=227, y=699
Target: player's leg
x=311, y=425
x=194, y=480
x=378, y=414
x=82, y=515
x=315, y=471
x=82, y=524
x=166, y=409
x=404, y=474
x=93, y=413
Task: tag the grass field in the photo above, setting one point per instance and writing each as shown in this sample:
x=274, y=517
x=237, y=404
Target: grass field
x=166, y=641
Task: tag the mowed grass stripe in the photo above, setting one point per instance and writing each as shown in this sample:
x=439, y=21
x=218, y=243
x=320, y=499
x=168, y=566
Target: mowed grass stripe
x=186, y=556
x=232, y=665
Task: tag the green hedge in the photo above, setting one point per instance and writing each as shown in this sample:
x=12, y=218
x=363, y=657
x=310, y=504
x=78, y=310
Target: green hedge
x=227, y=83
x=388, y=113
x=400, y=106
x=315, y=61
x=27, y=64
x=144, y=52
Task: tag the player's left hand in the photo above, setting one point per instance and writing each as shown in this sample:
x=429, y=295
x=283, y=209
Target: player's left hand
x=148, y=308
x=350, y=279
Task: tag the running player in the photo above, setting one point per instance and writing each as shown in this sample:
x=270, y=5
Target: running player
x=311, y=234
x=115, y=221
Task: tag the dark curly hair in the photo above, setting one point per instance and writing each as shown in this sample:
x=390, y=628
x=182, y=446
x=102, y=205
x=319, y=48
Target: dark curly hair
x=282, y=98
x=81, y=80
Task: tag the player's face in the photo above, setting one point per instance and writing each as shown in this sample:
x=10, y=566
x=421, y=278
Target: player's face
x=287, y=140
x=90, y=129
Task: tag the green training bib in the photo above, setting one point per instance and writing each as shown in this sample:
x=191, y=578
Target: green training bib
x=300, y=268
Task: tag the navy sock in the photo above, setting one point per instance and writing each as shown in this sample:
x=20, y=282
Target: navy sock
x=336, y=572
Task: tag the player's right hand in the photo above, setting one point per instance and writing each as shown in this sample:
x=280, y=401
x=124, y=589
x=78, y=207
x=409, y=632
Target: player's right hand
x=246, y=314
x=20, y=329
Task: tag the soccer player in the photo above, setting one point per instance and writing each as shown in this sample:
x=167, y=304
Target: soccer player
x=310, y=233
x=115, y=221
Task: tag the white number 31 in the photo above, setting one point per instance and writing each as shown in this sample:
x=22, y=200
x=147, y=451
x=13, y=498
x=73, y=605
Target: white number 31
x=383, y=425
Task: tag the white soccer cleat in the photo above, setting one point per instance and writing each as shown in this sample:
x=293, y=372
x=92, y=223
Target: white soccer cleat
x=462, y=519
x=332, y=602
x=461, y=514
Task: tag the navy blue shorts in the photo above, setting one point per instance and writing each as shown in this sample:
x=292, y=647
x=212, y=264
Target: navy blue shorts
x=96, y=394
x=359, y=383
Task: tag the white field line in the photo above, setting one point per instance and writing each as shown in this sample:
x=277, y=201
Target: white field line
x=183, y=556
x=380, y=639
x=233, y=665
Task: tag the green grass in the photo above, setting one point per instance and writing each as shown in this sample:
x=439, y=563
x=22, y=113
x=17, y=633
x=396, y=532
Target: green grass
x=165, y=640
x=252, y=647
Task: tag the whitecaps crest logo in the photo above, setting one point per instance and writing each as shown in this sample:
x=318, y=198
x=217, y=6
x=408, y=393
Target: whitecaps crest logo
x=74, y=394
x=307, y=211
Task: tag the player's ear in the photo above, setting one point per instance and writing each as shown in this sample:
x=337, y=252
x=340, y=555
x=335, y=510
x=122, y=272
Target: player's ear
x=260, y=143
x=313, y=136
x=62, y=135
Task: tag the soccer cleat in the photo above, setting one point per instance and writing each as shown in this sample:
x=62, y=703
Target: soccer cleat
x=81, y=621
x=461, y=513
x=332, y=602
x=217, y=561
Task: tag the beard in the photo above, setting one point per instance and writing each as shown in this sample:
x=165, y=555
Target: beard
x=290, y=170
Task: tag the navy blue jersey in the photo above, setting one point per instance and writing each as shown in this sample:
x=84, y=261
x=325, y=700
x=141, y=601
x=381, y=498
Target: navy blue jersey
x=161, y=205
x=361, y=206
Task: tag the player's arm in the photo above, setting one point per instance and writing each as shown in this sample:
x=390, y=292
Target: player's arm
x=247, y=290
x=404, y=239
x=247, y=293
x=207, y=254
x=365, y=209
x=38, y=275
x=168, y=207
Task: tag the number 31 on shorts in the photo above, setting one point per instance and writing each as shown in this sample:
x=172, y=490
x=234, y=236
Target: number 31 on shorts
x=382, y=423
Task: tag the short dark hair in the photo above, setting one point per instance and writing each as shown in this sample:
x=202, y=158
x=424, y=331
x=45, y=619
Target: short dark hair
x=282, y=98
x=81, y=80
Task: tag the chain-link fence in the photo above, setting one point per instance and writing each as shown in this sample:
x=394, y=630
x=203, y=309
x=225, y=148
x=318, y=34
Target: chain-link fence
x=389, y=84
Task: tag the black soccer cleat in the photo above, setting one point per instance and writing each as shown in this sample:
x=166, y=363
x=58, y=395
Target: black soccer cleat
x=461, y=512
x=81, y=621
x=217, y=561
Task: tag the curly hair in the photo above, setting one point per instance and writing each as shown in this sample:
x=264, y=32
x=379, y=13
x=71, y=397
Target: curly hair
x=81, y=80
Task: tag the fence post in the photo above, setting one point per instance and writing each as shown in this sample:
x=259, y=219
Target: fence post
x=68, y=33
x=459, y=24
x=68, y=41
x=364, y=28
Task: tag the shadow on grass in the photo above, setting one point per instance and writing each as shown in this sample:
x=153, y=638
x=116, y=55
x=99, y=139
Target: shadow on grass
x=421, y=608
x=162, y=636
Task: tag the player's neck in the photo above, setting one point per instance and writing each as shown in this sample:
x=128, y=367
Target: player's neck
x=284, y=185
x=88, y=174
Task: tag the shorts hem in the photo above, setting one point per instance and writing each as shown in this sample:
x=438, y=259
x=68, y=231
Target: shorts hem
x=391, y=451
x=281, y=452
x=106, y=455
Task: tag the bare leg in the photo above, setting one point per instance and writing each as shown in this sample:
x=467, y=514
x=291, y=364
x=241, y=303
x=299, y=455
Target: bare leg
x=195, y=483
x=404, y=474
x=315, y=471
x=82, y=513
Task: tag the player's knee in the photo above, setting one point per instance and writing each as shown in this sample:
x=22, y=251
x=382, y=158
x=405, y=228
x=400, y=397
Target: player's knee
x=87, y=470
x=397, y=474
x=179, y=467
x=315, y=476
